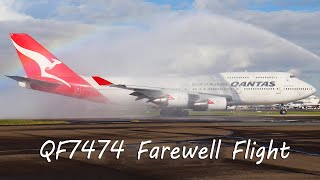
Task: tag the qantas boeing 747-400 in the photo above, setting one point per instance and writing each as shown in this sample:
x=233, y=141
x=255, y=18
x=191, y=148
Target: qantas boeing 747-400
x=45, y=72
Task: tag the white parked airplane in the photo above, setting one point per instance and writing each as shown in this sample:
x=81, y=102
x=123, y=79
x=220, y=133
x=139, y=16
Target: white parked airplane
x=309, y=102
x=173, y=95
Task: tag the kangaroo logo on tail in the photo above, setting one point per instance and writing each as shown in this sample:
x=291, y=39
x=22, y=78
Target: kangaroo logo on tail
x=43, y=62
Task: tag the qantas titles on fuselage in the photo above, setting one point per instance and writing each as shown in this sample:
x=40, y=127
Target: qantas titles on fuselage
x=241, y=83
x=48, y=74
x=254, y=84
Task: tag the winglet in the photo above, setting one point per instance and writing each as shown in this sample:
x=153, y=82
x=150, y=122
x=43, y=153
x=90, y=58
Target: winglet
x=101, y=81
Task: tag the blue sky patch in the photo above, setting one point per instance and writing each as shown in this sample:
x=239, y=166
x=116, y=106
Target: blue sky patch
x=267, y=5
x=174, y=4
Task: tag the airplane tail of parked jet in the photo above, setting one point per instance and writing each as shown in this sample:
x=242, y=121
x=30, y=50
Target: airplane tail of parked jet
x=45, y=72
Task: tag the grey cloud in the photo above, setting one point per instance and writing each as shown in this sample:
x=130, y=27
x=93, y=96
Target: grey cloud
x=195, y=43
x=108, y=11
x=299, y=4
x=217, y=6
x=227, y=7
x=299, y=27
x=47, y=32
x=9, y=11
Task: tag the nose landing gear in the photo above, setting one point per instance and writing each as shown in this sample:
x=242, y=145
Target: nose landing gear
x=283, y=110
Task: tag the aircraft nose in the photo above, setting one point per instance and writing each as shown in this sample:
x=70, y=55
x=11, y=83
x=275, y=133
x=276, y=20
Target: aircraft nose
x=313, y=89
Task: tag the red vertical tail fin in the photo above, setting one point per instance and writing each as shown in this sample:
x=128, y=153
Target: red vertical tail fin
x=40, y=64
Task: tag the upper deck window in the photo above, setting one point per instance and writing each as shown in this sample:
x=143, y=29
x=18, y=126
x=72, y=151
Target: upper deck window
x=292, y=76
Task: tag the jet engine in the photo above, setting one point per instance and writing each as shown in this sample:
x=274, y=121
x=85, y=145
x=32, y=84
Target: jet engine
x=211, y=103
x=175, y=99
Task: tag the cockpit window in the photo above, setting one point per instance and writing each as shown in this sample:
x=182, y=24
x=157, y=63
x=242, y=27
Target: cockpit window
x=292, y=76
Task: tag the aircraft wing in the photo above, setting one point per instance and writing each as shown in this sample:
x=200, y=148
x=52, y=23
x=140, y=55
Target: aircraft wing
x=142, y=91
x=156, y=92
x=152, y=93
x=36, y=82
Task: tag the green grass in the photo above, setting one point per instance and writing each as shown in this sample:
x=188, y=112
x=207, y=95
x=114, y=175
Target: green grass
x=15, y=122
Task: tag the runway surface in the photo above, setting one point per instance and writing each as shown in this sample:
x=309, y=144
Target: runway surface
x=20, y=159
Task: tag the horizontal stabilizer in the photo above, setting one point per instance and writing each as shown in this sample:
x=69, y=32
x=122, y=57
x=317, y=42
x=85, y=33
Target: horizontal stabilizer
x=36, y=82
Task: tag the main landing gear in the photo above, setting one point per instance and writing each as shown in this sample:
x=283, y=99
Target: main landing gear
x=174, y=112
x=283, y=110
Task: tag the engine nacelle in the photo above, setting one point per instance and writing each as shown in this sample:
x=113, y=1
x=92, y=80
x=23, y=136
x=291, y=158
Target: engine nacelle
x=211, y=103
x=175, y=99
x=24, y=84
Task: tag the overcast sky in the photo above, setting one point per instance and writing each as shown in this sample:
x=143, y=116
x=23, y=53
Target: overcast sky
x=156, y=37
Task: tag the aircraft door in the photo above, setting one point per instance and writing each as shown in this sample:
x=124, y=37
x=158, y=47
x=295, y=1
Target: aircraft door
x=279, y=90
x=238, y=90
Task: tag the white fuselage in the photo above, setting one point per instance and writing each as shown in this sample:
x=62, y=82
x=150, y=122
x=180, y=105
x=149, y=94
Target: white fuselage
x=241, y=88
